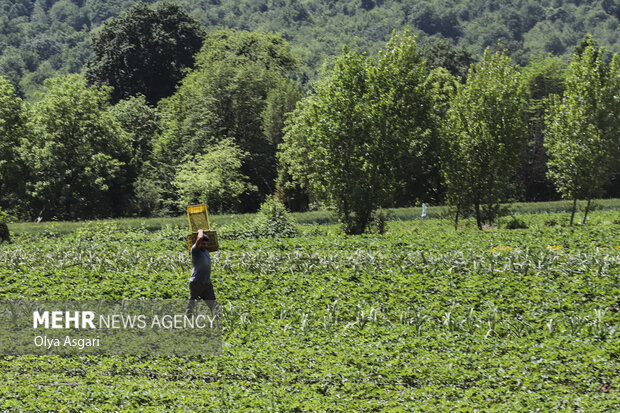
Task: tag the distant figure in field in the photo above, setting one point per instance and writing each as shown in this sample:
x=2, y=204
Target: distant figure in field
x=200, y=286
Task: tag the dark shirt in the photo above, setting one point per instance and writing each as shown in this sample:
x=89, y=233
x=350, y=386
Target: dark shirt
x=201, y=273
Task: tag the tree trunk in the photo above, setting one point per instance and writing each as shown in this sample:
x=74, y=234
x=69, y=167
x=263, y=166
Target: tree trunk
x=572, y=215
x=478, y=219
x=586, y=213
x=363, y=218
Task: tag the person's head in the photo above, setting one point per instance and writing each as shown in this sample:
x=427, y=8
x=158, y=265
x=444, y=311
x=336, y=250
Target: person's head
x=204, y=242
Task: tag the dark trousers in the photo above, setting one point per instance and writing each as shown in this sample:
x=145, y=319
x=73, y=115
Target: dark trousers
x=202, y=291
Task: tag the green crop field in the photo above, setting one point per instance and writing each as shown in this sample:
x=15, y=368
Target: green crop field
x=421, y=318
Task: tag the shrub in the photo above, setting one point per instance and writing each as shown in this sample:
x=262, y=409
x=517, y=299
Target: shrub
x=516, y=223
x=551, y=222
x=5, y=235
x=273, y=221
x=379, y=220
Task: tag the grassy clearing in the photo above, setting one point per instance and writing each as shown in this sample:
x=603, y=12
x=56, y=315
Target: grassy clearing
x=303, y=218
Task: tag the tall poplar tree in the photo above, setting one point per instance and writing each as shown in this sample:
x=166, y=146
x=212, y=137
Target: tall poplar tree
x=485, y=131
x=581, y=135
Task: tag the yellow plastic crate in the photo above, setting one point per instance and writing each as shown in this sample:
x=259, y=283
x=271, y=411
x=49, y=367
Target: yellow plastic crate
x=198, y=218
x=212, y=244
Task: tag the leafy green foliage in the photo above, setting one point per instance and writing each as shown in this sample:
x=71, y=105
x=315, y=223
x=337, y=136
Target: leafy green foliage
x=542, y=77
x=213, y=177
x=13, y=130
x=42, y=39
x=236, y=91
x=76, y=152
x=581, y=136
x=442, y=53
x=5, y=234
x=242, y=46
x=366, y=138
x=484, y=131
x=246, y=83
x=12, y=66
x=271, y=221
x=144, y=50
x=380, y=220
x=516, y=223
x=400, y=101
x=327, y=145
x=142, y=123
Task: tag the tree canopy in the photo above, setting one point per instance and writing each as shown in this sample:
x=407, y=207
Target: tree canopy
x=213, y=178
x=13, y=133
x=484, y=132
x=366, y=138
x=363, y=133
x=41, y=39
x=144, y=51
x=236, y=91
x=76, y=151
x=582, y=126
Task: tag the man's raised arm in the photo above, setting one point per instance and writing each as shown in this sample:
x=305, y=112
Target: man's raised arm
x=201, y=234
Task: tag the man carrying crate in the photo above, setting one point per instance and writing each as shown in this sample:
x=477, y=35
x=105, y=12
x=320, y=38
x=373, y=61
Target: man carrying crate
x=200, y=286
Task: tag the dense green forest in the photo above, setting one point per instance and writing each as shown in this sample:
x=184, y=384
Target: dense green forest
x=43, y=38
x=166, y=111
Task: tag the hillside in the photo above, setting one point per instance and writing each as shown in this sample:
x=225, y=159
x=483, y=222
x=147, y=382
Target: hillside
x=42, y=38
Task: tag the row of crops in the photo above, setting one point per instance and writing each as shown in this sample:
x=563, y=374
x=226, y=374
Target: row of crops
x=422, y=318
